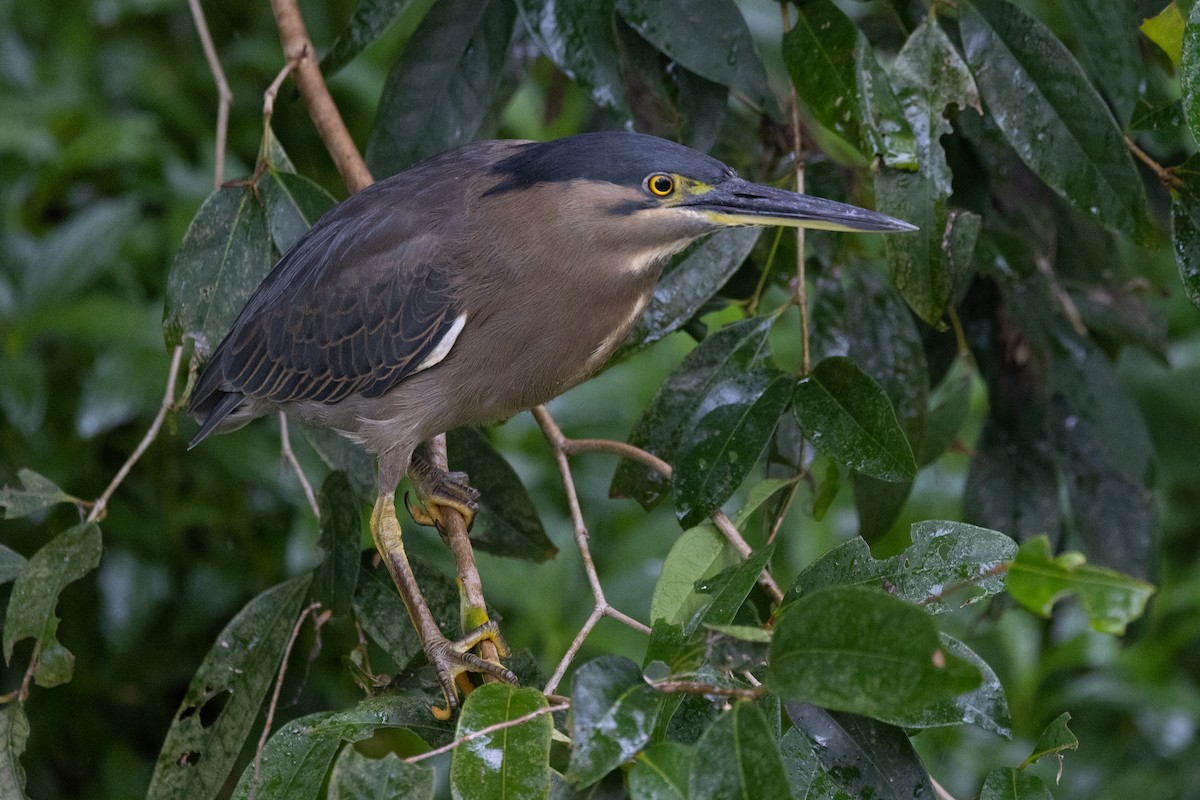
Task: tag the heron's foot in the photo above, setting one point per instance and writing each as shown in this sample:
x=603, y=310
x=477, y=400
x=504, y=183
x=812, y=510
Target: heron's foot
x=437, y=490
x=453, y=659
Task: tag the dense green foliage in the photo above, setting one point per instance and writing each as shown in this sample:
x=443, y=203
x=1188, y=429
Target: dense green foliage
x=968, y=472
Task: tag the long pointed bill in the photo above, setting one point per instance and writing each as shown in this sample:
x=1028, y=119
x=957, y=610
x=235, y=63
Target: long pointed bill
x=739, y=202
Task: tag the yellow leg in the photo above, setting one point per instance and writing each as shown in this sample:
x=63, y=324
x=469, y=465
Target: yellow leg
x=448, y=658
x=436, y=490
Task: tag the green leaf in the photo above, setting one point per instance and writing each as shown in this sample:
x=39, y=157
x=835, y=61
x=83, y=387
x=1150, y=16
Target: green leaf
x=1008, y=783
x=885, y=124
x=860, y=650
x=728, y=431
x=293, y=203
x=1037, y=581
x=577, y=35
x=691, y=282
x=356, y=777
x=1166, y=29
x=1055, y=740
x=986, y=705
x=11, y=564
x=729, y=352
x=730, y=587
x=338, y=545
x=1013, y=481
x=946, y=559
x=339, y=453
x=613, y=712
x=30, y=614
x=225, y=254
x=444, y=84
x=661, y=772
x=370, y=19
x=709, y=38
x=199, y=750
x=949, y=404
x=1057, y=123
x=409, y=711
x=1189, y=74
x=14, y=733
x=293, y=763
x=34, y=493
x=1109, y=51
x=847, y=416
x=698, y=552
x=738, y=756
x=1185, y=219
x=831, y=755
x=508, y=523
x=513, y=761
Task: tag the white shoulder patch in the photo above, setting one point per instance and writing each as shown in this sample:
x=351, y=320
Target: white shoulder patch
x=442, y=349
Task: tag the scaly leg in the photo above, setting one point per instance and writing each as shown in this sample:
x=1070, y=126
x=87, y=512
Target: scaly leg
x=448, y=658
x=437, y=490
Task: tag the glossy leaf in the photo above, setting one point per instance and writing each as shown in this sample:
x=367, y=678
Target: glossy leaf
x=293, y=764
x=698, y=552
x=1185, y=219
x=729, y=352
x=409, y=710
x=885, y=124
x=1008, y=783
x=1055, y=740
x=613, y=712
x=738, y=756
x=861, y=650
x=847, y=416
x=708, y=37
x=1038, y=581
x=14, y=733
x=439, y=92
x=730, y=587
x=577, y=35
x=1039, y=96
x=1013, y=482
x=338, y=544
x=1189, y=73
x=1108, y=51
x=833, y=755
x=728, y=431
x=949, y=564
x=378, y=607
x=225, y=253
x=30, y=614
x=986, y=705
x=356, y=777
x=34, y=493
x=370, y=19
x=691, y=282
x=293, y=203
x=508, y=523
x=198, y=753
x=511, y=762
x=661, y=772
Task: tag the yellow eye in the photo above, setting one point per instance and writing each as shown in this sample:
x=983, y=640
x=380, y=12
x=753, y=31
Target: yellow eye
x=660, y=185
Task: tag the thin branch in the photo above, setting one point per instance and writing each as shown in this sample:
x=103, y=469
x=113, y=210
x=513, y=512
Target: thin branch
x=168, y=402
x=224, y=95
x=585, y=631
x=696, y=687
x=287, y=652
x=1166, y=176
x=798, y=160
x=22, y=692
x=298, y=49
x=289, y=456
x=488, y=731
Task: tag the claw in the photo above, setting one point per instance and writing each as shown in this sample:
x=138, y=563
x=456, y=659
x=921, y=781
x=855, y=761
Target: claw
x=436, y=490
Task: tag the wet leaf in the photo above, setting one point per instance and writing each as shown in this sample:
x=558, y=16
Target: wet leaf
x=356, y=777
x=949, y=565
x=1008, y=783
x=508, y=523
x=730, y=587
x=338, y=545
x=444, y=84
x=1040, y=98
x=729, y=352
x=14, y=733
x=293, y=764
x=847, y=416
x=728, y=432
x=1038, y=580
x=613, y=712
x=708, y=37
x=577, y=35
x=1055, y=740
x=1109, y=51
x=199, y=751
x=661, y=772
x=370, y=19
x=698, y=552
x=986, y=705
x=30, y=614
x=832, y=755
x=1189, y=73
x=738, y=756
x=511, y=762
x=34, y=494
x=861, y=650
x=225, y=254
x=409, y=710
x=1185, y=218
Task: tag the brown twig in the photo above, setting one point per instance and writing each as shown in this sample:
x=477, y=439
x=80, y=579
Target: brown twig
x=22, y=692
x=100, y=506
x=289, y=457
x=298, y=49
x=798, y=160
x=1165, y=175
x=488, y=731
x=224, y=94
x=266, y=732
x=696, y=687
